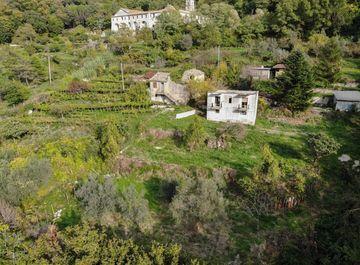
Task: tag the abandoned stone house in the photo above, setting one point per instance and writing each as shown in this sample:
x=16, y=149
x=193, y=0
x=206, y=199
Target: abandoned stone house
x=164, y=90
x=233, y=106
x=137, y=19
x=263, y=73
x=193, y=74
x=347, y=100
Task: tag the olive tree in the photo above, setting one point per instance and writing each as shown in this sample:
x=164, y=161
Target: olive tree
x=198, y=204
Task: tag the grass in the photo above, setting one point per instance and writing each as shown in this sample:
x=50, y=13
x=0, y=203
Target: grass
x=287, y=141
x=67, y=142
x=351, y=69
x=241, y=156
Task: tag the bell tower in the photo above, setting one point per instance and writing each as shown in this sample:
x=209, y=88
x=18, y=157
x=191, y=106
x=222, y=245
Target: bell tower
x=190, y=5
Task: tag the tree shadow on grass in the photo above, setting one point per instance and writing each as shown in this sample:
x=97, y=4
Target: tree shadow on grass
x=285, y=150
x=159, y=192
x=242, y=168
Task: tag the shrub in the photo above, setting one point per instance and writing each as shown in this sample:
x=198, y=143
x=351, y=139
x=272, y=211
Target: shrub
x=137, y=93
x=199, y=90
x=87, y=244
x=194, y=136
x=98, y=197
x=16, y=93
x=275, y=186
x=20, y=182
x=8, y=213
x=322, y=145
x=104, y=204
x=14, y=130
x=232, y=132
x=198, y=204
x=109, y=140
x=134, y=210
x=76, y=86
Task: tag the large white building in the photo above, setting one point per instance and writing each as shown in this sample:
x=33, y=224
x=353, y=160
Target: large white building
x=232, y=106
x=137, y=19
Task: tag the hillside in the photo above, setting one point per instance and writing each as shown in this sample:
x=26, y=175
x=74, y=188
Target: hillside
x=92, y=171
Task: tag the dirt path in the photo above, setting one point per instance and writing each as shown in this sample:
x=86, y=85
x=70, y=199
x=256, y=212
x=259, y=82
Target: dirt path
x=276, y=131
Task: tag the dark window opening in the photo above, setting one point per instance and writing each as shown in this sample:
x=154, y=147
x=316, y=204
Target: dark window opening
x=217, y=101
x=230, y=100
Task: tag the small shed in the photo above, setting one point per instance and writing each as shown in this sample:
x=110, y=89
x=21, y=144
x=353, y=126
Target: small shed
x=278, y=69
x=347, y=100
x=257, y=72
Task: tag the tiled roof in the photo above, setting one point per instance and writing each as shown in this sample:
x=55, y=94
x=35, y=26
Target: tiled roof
x=279, y=66
x=149, y=74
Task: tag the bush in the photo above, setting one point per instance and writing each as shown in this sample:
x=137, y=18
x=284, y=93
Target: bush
x=195, y=136
x=232, y=132
x=20, y=182
x=16, y=93
x=87, y=244
x=322, y=145
x=134, y=209
x=14, y=130
x=76, y=86
x=104, y=204
x=109, y=140
x=199, y=90
x=8, y=213
x=98, y=197
x=275, y=186
x=198, y=205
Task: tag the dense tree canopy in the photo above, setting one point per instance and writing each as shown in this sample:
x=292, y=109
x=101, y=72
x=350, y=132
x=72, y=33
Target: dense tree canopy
x=259, y=17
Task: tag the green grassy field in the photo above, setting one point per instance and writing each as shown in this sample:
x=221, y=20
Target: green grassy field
x=351, y=69
x=68, y=142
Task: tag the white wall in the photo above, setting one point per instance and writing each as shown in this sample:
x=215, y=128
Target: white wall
x=134, y=21
x=185, y=114
x=347, y=106
x=227, y=114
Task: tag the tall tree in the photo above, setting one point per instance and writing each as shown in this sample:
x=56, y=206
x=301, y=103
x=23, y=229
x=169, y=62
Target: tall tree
x=295, y=85
x=329, y=65
x=109, y=140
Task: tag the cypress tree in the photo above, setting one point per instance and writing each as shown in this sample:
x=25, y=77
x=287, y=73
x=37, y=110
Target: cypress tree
x=295, y=85
x=109, y=140
x=329, y=65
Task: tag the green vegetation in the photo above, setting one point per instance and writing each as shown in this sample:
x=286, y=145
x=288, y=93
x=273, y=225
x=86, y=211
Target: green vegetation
x=330, y=61
x=295, y=85
x=92, y=173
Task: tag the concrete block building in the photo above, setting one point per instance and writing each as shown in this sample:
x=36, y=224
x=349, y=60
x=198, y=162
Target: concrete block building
x=233, y=106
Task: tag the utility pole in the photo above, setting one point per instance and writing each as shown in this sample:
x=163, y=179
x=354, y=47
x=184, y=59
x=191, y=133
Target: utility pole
x=218, y=56
x=49, y=64
x=122, y=76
